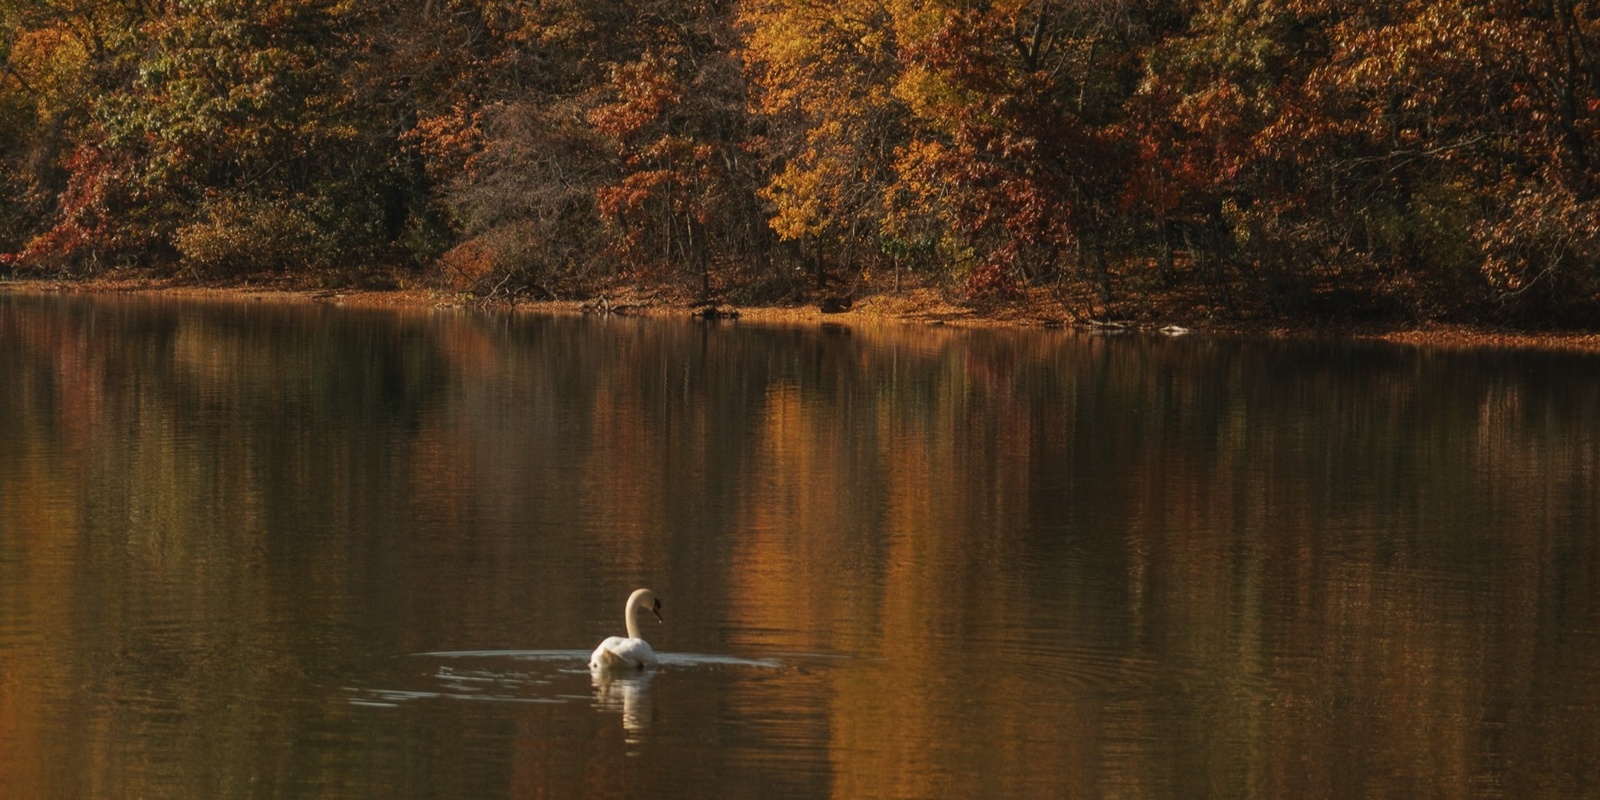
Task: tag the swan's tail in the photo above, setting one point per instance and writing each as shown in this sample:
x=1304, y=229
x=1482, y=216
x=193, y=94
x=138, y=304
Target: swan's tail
x=605, y=659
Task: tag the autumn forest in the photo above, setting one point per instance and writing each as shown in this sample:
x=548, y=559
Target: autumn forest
x=1384, y=159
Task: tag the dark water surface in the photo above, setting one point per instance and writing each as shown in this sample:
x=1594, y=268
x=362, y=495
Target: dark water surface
x=272, y=550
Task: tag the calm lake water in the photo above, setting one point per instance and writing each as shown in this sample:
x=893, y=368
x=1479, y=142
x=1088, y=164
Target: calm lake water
x=292, y=550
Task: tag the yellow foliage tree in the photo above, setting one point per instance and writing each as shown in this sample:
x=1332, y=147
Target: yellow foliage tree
x=823, y=76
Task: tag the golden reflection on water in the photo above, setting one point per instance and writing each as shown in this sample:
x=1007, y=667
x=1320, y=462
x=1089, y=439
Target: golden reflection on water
x=1000, y=565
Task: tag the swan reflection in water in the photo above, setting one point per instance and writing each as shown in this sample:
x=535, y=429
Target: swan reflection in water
x=628, y=693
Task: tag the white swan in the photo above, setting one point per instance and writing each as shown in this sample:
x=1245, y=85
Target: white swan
x=632, y=652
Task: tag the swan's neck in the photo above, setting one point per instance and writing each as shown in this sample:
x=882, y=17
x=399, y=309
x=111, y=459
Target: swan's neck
x=631, y=615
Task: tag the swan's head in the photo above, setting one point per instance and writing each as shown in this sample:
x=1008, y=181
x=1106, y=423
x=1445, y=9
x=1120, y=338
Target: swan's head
x=644, y=598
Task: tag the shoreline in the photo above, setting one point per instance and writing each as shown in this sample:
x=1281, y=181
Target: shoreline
x=920, y=306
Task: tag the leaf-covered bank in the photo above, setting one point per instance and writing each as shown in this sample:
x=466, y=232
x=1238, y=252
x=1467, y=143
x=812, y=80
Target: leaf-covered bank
x=921, y=306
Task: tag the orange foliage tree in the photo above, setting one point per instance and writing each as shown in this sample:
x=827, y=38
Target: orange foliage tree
x=673, y=114
x=1021, y=103
x=1412, y=158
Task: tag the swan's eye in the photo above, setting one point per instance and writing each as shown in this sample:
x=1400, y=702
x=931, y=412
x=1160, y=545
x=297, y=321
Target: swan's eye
x=658, y=604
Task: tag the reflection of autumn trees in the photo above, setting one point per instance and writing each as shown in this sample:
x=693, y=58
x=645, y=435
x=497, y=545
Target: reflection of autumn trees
x=176, y=569
x=1024, y=560
x=1296, y=564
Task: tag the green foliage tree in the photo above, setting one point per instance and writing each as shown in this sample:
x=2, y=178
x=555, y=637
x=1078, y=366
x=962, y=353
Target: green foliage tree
x=214, y=132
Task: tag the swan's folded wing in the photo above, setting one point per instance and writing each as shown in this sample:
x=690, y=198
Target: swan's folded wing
x=619, y=653
x=605, y=656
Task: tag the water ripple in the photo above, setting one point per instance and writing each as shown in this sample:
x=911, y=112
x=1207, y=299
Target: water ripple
x=515, y=676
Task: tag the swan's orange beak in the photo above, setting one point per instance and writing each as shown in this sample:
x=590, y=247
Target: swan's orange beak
x=656, y=610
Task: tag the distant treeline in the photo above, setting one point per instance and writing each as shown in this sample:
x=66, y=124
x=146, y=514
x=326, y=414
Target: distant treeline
x=1403, y=158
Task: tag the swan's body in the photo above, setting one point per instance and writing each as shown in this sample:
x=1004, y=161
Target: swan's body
x=617, y=653
x=631, y=652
